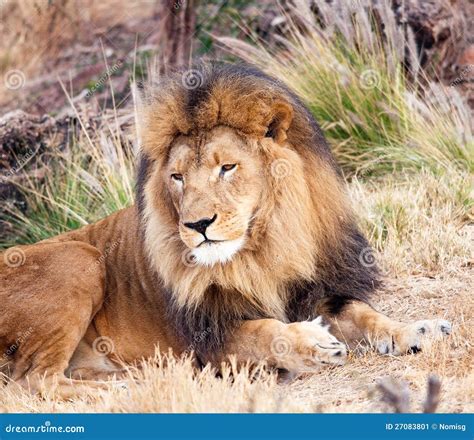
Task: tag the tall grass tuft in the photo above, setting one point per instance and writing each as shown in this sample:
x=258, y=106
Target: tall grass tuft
x=358, y=72
x=90, y=179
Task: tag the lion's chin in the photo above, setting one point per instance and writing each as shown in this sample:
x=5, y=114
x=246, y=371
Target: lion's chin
x=222, y=252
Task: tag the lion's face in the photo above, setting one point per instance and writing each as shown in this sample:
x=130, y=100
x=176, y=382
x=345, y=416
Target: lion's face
x=215, y=181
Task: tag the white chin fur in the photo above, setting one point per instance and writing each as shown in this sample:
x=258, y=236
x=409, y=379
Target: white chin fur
x=209, y=254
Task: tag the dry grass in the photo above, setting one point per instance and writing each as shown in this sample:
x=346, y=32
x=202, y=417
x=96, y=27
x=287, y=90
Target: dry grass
x=76, y=185
x=418, y=221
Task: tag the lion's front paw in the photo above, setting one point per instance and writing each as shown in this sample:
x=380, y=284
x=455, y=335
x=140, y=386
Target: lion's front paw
x=409, y=338
x=304, y=346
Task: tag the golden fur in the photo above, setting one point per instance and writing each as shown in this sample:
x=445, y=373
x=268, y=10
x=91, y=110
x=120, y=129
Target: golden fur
x=241, y=151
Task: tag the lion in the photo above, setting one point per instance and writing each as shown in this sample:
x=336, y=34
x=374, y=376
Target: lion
x=242, y=243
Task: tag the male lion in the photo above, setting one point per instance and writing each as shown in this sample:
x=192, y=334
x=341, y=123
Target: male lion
x=242, y=242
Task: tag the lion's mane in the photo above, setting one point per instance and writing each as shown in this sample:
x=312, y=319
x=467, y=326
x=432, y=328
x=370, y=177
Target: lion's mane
x=305, y=252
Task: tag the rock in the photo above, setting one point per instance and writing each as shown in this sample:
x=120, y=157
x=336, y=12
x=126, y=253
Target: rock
x=439, y=29
x=20, y=131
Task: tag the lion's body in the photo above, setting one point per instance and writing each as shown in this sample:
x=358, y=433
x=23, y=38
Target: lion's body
x=133, y=298
x=127, y=296
x=235, y=171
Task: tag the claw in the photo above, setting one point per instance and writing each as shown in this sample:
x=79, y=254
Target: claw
x=445, y=328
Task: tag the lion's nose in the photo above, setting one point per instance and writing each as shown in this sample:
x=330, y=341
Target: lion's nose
x=201, y=225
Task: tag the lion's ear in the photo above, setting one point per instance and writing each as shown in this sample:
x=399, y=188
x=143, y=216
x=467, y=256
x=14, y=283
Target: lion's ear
x=282, y=115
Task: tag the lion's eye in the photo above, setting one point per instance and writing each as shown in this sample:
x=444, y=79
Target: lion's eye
x=177, y=177
x=228, y=167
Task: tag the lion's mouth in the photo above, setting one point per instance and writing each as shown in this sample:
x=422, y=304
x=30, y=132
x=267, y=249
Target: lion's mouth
x=209, y=242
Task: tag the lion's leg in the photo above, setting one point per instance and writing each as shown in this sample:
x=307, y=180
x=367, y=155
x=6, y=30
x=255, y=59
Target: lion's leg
x=49, y=294
x=357, y=322
x=88, y=363
x=297, y=347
